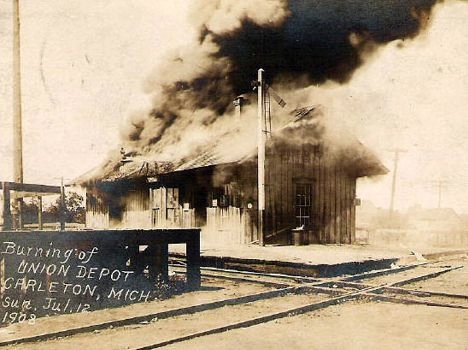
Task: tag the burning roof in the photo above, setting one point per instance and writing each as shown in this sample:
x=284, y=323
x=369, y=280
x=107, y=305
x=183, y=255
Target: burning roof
x=234, y=146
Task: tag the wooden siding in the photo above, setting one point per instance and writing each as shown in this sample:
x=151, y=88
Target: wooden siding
x=97, y=210
x=96, y=220
x=166, y=210
x=135, y=211
x=333, y=192
x=174, y=201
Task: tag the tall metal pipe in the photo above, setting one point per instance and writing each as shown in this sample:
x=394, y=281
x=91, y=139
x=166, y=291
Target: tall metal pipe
x=261, y=139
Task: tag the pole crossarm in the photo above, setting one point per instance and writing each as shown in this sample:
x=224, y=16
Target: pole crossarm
x=30, y=188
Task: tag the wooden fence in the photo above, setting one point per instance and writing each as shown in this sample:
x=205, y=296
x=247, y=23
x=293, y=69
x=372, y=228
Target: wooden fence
x=224, y=225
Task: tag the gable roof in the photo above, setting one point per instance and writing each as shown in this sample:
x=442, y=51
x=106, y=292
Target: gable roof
x=307, y=127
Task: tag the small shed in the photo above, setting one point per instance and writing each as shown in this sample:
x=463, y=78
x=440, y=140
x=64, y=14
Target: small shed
x=310, y=184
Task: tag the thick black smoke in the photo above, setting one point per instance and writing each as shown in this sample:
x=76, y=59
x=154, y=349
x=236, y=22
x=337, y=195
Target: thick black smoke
x=299, y=41
x=316, y=39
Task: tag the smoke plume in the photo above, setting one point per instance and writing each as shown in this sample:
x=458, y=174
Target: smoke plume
x=298, y=43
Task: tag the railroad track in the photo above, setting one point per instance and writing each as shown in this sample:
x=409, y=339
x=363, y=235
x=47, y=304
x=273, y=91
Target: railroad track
x=279, y=279
x=295, y=295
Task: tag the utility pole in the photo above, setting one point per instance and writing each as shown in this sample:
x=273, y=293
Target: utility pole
x=440, y=185
x=17, y=122
x=40, y=224
x=396, y=158
x=7, y=219
x=261, y=141
x=62, y=206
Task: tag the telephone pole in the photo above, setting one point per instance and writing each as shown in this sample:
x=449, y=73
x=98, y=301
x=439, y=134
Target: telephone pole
x=17, y=111
x=396, y=158
x=440, y=185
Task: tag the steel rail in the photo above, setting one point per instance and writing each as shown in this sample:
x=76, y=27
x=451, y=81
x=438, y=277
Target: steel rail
x=424, y=293
x=257, y=320
x=163, y=314
x=366, y=292
x=350, y=279
x=394, y=299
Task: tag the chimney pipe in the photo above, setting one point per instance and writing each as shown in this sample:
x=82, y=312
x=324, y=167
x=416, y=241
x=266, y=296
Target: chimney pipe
x=238, y=104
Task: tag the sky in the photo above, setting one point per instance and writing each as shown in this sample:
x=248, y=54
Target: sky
x=85, y=64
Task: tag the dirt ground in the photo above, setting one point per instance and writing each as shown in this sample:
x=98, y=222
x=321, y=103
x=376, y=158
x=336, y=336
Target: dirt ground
x=354, y=325
x=212, y=290
x=359, y=325
x=350, y=325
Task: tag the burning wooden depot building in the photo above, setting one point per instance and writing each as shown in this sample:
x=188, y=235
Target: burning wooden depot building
x=310, y=184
